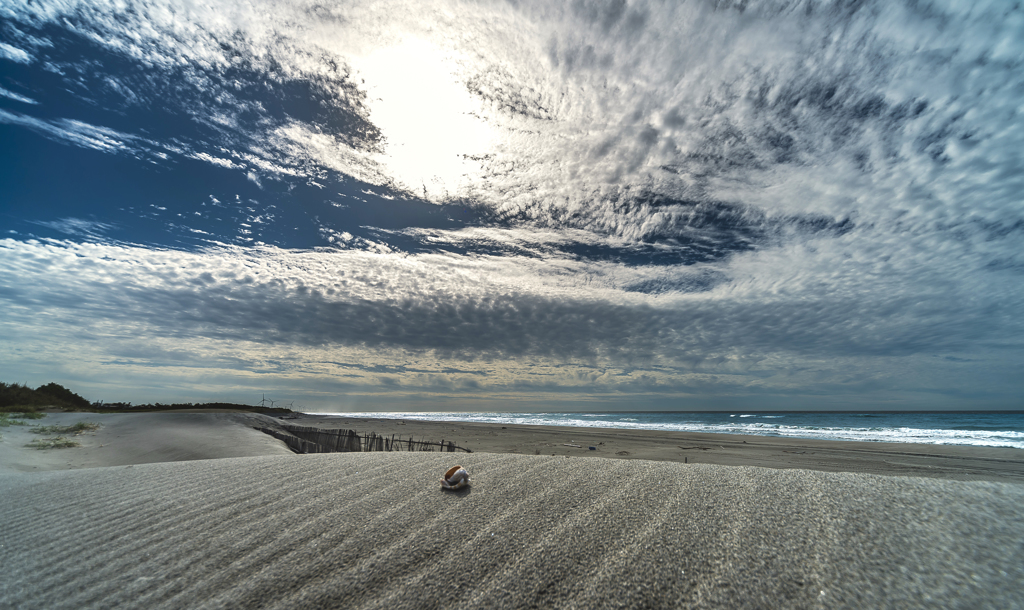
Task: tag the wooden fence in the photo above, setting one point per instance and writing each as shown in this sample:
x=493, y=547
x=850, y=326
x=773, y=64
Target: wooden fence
x=307, y=439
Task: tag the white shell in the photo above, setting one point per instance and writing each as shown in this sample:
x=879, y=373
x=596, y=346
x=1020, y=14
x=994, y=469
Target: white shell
x=455, y=480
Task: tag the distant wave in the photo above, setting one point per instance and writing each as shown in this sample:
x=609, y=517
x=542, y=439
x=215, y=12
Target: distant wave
x=964, y=434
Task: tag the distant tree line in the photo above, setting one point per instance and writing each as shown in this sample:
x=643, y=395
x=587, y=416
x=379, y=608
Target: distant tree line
x=49, y=395
x=20, y=398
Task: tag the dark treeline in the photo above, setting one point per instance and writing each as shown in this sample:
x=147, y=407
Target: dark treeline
x=118, y=407
x=16, y=395
x=19, y=397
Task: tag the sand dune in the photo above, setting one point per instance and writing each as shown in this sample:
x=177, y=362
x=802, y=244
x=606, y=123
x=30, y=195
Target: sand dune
x=374, y=531
x=139, y=438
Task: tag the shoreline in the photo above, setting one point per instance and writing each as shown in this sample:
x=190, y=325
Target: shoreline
x=138, y=438
x=977, y=429
x=956, y=462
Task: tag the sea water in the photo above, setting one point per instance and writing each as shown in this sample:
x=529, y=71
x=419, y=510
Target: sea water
x=980, y=428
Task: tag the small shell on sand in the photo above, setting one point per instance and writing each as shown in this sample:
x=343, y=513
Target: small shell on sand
x=455, y=478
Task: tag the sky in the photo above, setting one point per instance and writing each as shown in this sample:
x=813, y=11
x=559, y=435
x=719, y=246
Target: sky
x=515, y=206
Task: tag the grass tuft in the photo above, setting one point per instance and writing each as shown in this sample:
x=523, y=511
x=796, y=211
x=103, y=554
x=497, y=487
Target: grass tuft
x=59, y=442
x=8, y=420
x=18, y=410
x=79, y=428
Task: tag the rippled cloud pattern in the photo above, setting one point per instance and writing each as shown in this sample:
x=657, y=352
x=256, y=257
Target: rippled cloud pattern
x=515, y=206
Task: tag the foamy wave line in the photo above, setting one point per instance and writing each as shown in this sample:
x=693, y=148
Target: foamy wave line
x=979, y=438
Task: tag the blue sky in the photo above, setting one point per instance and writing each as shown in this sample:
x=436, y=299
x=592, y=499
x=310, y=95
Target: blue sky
x=515, y=206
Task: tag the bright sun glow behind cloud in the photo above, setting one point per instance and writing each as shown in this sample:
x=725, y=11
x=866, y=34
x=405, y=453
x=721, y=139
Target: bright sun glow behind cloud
x=431, y=123
x=654, y=205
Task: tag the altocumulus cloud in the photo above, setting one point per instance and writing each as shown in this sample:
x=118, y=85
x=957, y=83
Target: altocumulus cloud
x=500, y=313
x=678, y=204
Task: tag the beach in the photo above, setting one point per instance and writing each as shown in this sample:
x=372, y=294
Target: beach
x=957, y=462
x=197, y=527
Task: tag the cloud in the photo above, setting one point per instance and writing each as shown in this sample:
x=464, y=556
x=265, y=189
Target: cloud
x=78, y=227
x=532, y=327
x=17, y=97
x=218, y=161
x=619, y=120
x=14, y=54
x=678, y=197
x=82, y=134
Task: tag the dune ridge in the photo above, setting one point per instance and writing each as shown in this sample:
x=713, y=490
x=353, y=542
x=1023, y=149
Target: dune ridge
x=375, y=531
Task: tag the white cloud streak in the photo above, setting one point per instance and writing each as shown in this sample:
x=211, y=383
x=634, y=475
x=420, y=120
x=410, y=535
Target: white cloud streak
x=78, y=133
x=14, y=54
x=78, y=227
x=17, y=97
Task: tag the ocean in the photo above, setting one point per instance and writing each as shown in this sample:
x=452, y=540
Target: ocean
x=981, y=429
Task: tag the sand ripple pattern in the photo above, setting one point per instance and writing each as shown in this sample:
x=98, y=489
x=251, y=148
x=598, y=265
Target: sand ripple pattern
x=375, y=531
